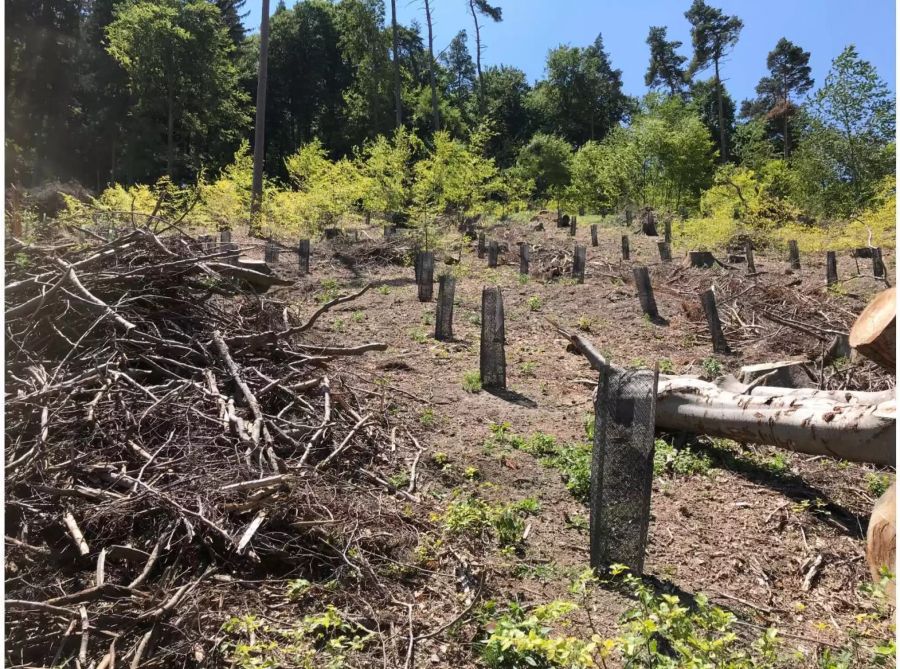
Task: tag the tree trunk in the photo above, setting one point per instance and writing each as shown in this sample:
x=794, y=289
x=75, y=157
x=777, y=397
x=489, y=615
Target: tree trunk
x=478, y=56
x=260, y=135
x=881, y=538
x=398, y=105
x=875, y=331
x=170, y=132
x=435, y=110
x=723, y=145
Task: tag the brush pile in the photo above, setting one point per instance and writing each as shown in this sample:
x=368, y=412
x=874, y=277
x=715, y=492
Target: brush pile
x=174, y=446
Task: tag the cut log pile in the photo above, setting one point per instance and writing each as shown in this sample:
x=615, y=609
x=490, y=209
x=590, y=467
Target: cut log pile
x=170, y=442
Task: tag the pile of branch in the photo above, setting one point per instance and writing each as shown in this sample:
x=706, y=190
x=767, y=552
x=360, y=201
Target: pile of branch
x=170, y=442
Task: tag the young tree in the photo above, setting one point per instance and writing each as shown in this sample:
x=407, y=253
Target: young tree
x=789, y=75
x=178, y=59
x=495, y=13
x=259, y=142
x=713, y=35
x=505, y=92
x=666, y=64
x=432, y=80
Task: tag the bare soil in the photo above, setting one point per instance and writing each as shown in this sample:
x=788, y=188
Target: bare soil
x=743, y=534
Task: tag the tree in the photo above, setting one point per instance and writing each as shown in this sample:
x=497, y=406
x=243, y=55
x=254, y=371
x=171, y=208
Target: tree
x=259, y=144
x=233, y=18
x=547, y=159
x=713, y=34
x=460, y=69
x=581, y=98
x=789, y=75
x=705, y=96
x=495, y=13
x=666, y=65
x=181, y=76
x=505, y=92
x=848, y=147
x=432, y=80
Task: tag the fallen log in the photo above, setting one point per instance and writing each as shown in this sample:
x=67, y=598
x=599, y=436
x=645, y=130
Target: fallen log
x=843, y=424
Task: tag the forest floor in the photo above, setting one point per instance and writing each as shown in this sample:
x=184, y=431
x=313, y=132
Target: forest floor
x=742, y=525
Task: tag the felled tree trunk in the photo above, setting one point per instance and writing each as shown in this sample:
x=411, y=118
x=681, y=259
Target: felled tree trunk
x=856, y=426
x=881, y=538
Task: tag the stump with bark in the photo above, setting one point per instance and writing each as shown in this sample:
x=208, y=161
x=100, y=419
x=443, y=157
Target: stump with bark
x=875, y=331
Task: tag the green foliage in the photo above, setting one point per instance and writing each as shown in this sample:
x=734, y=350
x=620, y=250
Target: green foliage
x=546, y=160
x=711, y=368
x=877, y=484
x=475, y=518
x=523, y=638
x=535, y=303
x=472, y=381
x=683, y=461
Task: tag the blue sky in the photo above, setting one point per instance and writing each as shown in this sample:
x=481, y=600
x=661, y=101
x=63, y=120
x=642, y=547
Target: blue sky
x=530, y=28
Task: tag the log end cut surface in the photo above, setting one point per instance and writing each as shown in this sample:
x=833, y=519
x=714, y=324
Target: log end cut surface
x=874, y=333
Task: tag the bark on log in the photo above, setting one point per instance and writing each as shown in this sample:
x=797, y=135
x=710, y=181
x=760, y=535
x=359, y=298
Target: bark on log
x=874, y=333
x=881, y=538
x=860, y=427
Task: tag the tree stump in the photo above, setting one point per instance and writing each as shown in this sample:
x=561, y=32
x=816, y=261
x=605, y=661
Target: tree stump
x=303, y=256
x=622, y=467
x=443, y=321
x=667, y=230
x=831, y=275
x=572, y=225
x=648, y=223
x=665, y=251
x=708, y=300
x=875, y=331
x=578, y=263
x=426, y=276
x=272, y=251
x=594, y=240
x=877, y=263
x=794, y=254
x=626, y=251
x=645, y=292
x=702, y=259
x=524, y=257
x=493, y=253
x=492, y=359
x=225, y=236
x=748, y=251
x=481, y=245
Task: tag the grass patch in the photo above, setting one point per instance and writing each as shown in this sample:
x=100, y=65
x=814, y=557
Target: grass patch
x=472, y=381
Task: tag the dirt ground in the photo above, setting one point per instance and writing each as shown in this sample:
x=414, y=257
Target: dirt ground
x=742, y=533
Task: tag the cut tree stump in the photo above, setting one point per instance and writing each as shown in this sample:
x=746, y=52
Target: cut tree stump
x=784, y=374
x=524, y=257
x=877, y=263
x=708, y=300
x=626, y=251
x=578, y=263
x=594, y=240
x=881, y=539
x=665, y=251
x=481, y=245
x=875, y=330
x=492, y=358
x=443, y=321
x=748, y=251
x=648, y=223
x=426, y=276
x=572, y=225
x=645, y=292
x=831, y=275
x=794, y=254
x=303, y=256
x=702, y=259
x=493, y=253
